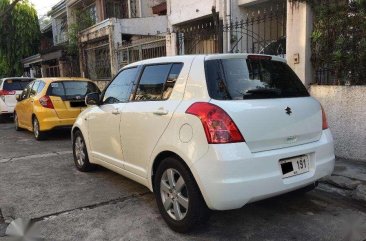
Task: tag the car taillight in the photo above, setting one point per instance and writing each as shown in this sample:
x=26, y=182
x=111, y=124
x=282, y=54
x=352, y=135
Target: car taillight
x=218, y=125
x=46, y=102
x=7, y=92
x=324, y=119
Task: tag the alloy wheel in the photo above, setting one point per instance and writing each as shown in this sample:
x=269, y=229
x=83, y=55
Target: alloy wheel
x=36, y=128
x=79, y=151
x=174, y=194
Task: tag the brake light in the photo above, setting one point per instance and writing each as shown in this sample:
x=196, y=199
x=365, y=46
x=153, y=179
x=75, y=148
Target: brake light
x=219, y=127
x=324, y=120
x=46, y=102
x=259, y=57
x=7, y=92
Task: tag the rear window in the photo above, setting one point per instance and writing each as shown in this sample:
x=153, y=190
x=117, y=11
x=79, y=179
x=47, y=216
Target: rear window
x=71, y=89
x=16, y=84
x=237, y=79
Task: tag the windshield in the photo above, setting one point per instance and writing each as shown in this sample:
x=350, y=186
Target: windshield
x=16, y=84
x=235, y=79
x=72, y=88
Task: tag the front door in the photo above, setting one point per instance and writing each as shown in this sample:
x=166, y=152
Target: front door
x=145, y=118
x=104, y=120
x=23, y=106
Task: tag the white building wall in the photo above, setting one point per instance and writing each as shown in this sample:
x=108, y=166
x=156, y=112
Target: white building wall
x=298, y=45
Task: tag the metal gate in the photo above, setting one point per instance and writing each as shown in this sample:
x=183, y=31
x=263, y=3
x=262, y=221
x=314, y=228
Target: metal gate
x=260, y=31
x=200, y=37
x=98, y=61
x=145, y=48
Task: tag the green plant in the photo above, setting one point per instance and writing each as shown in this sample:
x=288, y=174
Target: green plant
x=339, y=39
x=19, y=36
x=83, y=20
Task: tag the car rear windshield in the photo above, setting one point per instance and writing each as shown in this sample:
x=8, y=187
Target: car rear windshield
x=16, y=84
x=71, y=89
x=237, y=79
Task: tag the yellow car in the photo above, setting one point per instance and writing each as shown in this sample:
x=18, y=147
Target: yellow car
x=49, y=103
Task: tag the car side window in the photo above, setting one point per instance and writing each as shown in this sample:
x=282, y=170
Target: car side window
x=26, y=91
x=172, y=78
x=41, y=86
x=33, y=91
x=157, y=82
x=120, y=88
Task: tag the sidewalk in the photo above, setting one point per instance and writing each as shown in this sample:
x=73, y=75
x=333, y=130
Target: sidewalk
x=348, y=179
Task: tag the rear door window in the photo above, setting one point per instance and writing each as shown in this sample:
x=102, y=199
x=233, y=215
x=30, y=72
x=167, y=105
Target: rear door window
x=69, y=90
x=257, y=78
x=157, y=82
x=16, y=84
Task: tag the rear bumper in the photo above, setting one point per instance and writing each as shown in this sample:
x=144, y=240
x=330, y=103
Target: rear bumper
x=230, y=176
x=50, y=121
x=5, y=109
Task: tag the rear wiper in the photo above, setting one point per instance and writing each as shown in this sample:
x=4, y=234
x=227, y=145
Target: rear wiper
x=272, y=92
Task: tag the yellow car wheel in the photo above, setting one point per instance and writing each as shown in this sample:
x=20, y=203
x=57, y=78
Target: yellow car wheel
x=38, y=134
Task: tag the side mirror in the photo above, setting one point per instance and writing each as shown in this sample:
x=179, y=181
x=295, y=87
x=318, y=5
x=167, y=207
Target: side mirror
x=18, y=98
x=92, y=99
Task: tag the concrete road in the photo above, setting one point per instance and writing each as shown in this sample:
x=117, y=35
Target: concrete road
x=38, y=181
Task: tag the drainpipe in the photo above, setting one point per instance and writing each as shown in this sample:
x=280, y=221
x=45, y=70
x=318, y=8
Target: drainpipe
x=228, y=21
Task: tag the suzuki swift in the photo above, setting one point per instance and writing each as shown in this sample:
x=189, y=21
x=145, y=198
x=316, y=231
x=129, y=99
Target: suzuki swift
x=206, y=132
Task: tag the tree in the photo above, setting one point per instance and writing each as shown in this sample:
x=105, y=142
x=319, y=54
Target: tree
x=19, y=35
x=8, y=9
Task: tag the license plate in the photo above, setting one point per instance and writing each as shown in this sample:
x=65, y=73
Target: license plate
x=294, y=166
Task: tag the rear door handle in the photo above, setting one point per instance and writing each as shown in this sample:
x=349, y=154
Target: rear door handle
x=160, y=111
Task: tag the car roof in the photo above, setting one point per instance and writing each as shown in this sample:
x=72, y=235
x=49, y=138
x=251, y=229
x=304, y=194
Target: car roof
x=182, y=58
x=17, y=78
x=54, y=79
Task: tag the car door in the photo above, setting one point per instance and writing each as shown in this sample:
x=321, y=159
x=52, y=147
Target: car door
x=28, y=103
x=22, y=106
x=145, y=118
x=104, y=120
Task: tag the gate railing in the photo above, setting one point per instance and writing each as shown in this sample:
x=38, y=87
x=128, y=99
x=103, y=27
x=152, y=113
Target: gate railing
x=145, y=48
x=260, y=31
x=98, y=62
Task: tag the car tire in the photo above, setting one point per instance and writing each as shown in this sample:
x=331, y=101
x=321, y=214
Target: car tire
x=180, y=201
x=16, y=122
x=38, y=134
x=80, y=153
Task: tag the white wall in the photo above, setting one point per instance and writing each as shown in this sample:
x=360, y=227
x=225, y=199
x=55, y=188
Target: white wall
x=180, y=11
x=299, y=28
x=346, y=112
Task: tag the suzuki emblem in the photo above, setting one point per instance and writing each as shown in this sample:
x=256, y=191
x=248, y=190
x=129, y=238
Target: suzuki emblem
x=288, y=110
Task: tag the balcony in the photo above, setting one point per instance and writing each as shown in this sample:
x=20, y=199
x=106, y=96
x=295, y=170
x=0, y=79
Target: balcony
x=99, y=30
x=60, y=38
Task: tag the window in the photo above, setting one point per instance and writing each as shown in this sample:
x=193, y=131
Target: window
x=16, y=84
x=26, y=91
x=157, y=82
x=120, y=88
x=237, y=79
x=69, y=89
x=172, y=78
x=34, y=88
x=41, y=86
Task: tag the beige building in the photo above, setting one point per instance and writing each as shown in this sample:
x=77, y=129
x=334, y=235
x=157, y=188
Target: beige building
x=115, y=33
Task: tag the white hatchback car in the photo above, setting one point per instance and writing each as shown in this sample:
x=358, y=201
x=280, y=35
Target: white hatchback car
x=206, y=132
x=9, y=88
